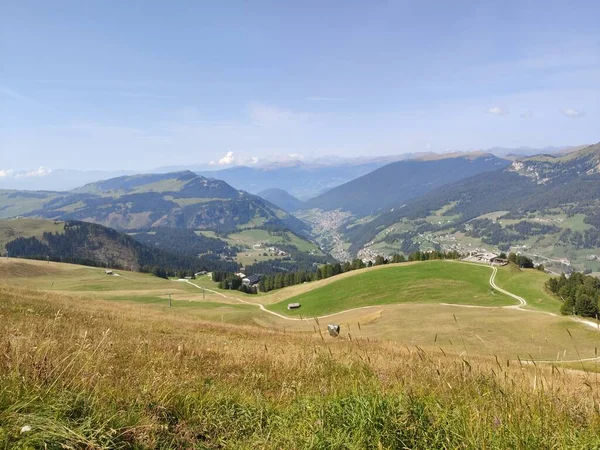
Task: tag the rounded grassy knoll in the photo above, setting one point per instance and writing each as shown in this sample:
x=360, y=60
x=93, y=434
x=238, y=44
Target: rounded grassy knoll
x=426, y=282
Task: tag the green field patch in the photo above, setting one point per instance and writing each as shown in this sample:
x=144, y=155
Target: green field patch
x=529, y=284
x=427, y=282
x=250, y=238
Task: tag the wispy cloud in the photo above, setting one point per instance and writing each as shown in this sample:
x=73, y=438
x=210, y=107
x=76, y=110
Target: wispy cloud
x=6, y=173
x=24, y=98
x=497, y=111
x=570, y=112
x=148, y=95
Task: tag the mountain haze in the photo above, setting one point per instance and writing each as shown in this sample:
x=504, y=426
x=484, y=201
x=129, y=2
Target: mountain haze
x=300, y=179
x=282, y=199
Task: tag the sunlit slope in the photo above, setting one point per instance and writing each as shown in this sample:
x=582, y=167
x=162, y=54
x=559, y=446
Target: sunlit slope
x=529, y=284
x=426, y=282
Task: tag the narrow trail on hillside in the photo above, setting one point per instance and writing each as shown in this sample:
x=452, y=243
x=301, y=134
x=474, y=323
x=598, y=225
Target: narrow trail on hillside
x=281, y=316
x=521, y=305
x=492, y=281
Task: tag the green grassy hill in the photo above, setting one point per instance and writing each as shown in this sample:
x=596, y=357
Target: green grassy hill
x=427, y=282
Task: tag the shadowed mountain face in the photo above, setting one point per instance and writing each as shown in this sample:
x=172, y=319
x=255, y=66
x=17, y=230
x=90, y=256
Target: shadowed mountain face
x=95, y=245
x=177, y=200
x=394, y=184
x=282, y=199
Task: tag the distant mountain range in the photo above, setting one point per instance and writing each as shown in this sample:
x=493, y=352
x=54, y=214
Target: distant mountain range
x=549, y=204
x=177, y=200
x=303, y=179
x=546, y=205
x=181, y=213
x=396, y=183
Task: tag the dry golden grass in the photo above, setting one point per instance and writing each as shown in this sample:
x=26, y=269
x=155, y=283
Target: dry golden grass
x=88, y=373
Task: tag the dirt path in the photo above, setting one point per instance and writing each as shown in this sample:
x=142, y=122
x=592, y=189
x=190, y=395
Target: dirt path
x=281, y=316
x=492, y=281
x=522, y=304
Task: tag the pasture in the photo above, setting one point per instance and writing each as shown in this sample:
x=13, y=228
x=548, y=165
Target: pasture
x=425, y=283
x=434, y=305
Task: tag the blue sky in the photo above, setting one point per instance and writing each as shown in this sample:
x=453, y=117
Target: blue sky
x=136, y=85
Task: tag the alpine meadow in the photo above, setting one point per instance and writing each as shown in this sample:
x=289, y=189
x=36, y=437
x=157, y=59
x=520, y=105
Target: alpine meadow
x=274, y=225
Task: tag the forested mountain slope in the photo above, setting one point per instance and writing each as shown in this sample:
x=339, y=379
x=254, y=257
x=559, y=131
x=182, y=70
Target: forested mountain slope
x=96, y=245
x=142, y=204
x=549, y=202
x=396, y=183
x=177, y=200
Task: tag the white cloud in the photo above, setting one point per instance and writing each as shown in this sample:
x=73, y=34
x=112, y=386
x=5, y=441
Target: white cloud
x=497, y=111
x=227, y=159
x=230, y=159
x=569, y=112
x=6, y=173
x=39, y=172
x=527, y=115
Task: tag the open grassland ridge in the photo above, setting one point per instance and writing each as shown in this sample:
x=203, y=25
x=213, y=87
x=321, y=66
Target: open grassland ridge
x=93, y=374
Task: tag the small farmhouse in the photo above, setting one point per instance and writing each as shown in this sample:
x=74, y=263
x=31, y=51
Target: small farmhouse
x=251, y=280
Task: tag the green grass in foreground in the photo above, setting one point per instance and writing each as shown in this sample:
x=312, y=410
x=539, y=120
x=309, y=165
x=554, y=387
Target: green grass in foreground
x=426, y=282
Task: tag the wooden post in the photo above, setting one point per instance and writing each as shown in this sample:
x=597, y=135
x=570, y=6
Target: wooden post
x=169, y=300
